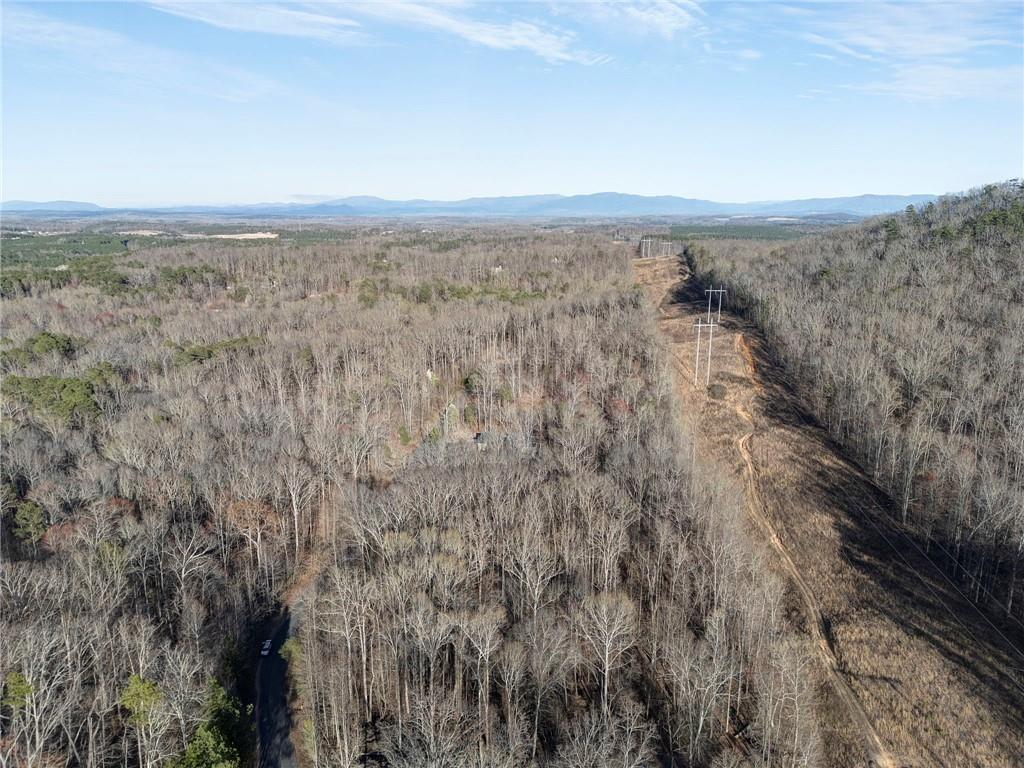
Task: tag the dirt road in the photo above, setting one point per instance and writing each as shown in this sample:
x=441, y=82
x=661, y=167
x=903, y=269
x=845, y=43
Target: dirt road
x=911, y=673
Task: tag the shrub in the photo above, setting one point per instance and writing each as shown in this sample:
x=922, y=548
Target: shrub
x=40, y=345
x=17, y=690
x=64, y=398
x=190, y=275
x=222, y=740
x=369, y=293
x=200, y=353
x=473, y=383
x=29, y=522
x=140, y=697
x=68, y=399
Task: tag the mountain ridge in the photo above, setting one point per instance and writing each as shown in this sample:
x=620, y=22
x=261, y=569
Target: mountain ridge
x=603, y=204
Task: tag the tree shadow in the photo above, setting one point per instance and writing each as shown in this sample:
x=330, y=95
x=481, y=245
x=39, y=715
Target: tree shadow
x=274, y=720
x=902, y=582
x=907, y=586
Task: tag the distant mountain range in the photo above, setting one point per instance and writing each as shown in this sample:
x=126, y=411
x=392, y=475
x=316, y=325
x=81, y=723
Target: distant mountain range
x=55, y=206
x=604, y=205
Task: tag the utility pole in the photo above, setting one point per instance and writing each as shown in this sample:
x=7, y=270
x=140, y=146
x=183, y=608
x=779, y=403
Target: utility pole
x=711, y=336
x=700, y=325
x=719, y=291
x=696, y=356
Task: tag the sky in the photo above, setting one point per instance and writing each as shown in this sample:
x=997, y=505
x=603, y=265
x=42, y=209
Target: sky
x=182, y=102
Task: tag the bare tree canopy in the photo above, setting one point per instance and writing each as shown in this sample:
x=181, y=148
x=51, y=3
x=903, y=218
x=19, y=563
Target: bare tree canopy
x=906, y=336
x=453, y=455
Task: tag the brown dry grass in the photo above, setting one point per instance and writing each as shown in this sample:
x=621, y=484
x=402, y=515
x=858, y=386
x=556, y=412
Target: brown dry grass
x=937, y=682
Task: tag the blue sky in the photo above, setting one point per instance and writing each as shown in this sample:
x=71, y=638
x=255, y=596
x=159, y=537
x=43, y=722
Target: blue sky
x=170, y=102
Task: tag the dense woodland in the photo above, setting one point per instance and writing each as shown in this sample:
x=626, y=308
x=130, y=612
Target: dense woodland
x=454, y=455
x=906, y=336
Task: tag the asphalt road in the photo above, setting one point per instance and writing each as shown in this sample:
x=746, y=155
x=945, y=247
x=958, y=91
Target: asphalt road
x=273, y=720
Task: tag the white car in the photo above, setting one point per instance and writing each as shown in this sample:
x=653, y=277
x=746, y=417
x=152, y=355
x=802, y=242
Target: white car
x=265, y=650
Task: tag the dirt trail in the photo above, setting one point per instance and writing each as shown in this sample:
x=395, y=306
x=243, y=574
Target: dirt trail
x=879, y=755
x=910, y=673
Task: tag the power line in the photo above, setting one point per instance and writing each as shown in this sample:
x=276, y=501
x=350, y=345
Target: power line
x=869, y=514
x=944, y=604
x=709, y=292
x=908, y=537
x=956, y=563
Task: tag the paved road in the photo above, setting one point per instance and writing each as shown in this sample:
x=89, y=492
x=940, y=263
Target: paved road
x=273, y=720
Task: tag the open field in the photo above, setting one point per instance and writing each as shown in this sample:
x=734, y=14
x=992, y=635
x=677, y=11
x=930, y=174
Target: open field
x=232, y=236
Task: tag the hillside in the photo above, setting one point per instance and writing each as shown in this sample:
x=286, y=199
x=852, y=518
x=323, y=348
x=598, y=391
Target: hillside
x=905, y=334
x=907, y=672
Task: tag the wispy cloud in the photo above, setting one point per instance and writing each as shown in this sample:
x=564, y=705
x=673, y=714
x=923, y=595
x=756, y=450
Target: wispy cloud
x=107, y=51
x=933, y=50
x=914, y=31
x=665, y=18
x=552, y=44
x=334, y=23
x=271, y=19
x=736, y=59
x=836, y=45
x=932, y=82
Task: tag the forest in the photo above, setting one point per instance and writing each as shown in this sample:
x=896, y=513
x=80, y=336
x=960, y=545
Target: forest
x=905, y=336
x=454, y=456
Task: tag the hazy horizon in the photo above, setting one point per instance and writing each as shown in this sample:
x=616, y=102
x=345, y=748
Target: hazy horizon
x=302, y=199
x=170, y=103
